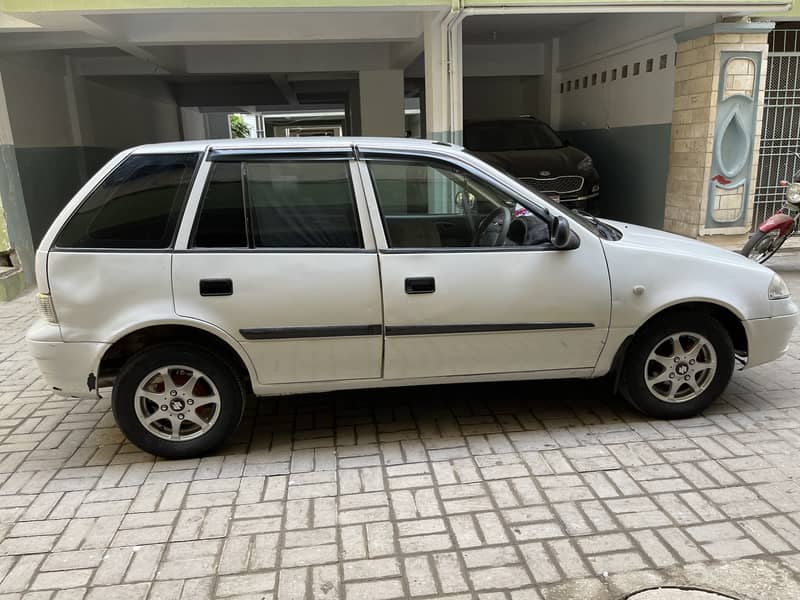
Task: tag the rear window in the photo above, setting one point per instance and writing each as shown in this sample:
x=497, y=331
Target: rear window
x=137, y=206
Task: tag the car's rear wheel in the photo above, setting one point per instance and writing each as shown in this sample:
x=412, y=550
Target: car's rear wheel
x=177, y=400
x=678, y=365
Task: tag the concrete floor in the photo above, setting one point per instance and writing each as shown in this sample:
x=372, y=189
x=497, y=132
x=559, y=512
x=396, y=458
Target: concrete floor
x=498, y=491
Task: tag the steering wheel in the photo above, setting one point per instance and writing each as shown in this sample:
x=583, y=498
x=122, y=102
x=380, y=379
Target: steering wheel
x=493, y=229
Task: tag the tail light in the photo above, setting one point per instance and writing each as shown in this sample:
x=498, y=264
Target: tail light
x=44, y=304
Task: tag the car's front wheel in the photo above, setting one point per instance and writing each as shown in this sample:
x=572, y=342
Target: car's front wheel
x=678, y=365
x=177, y=400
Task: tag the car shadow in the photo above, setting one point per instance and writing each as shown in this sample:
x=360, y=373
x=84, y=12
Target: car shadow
x=376, y=416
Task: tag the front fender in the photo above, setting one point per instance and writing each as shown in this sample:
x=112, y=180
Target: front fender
x=783, y=222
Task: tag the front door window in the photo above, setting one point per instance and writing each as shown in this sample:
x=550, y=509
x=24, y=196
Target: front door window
x=429, y=205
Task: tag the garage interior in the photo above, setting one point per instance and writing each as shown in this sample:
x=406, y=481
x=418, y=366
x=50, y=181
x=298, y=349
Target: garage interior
x=80, y=87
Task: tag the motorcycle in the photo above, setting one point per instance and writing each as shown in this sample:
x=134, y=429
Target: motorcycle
x=773, y=232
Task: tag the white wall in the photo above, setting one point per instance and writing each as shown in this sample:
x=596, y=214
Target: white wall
x=123, y=118
x=218, y=126
x=287, y=58
x=613, y=31
x=488, y=60
x=643, y=99
x=493, y=97
x=193, y=123
x=37, y=101
x=613, y=42
x=503, y=59
x=382, y=103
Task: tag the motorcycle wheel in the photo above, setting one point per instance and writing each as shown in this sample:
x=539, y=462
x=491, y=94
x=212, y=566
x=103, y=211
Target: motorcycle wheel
x=762, y=245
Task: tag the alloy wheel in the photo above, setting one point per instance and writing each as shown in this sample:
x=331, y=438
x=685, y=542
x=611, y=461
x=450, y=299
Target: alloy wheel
x=680, y=367
x=177, y=403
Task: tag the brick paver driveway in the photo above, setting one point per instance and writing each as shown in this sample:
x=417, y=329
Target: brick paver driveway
x=526, y=490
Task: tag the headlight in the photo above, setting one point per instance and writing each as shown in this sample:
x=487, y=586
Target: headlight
x=44, y=303
x=793, y=193
x=586, y=164
x=778, y=290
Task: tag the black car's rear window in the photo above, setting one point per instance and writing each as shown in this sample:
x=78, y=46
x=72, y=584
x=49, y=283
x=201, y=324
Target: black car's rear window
x=504, y=136
x=136, y=207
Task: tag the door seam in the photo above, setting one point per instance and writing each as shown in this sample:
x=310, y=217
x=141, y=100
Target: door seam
x=360, y=166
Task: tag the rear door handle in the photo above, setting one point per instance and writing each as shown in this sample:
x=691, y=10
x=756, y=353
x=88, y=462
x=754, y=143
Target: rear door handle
x=216, y=287
x=420, y=285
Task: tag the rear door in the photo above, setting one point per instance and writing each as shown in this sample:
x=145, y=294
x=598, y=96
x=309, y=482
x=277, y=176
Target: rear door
x=280, y=258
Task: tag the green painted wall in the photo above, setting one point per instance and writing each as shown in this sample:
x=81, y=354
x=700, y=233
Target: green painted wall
x=632, y=162
x=13, y=203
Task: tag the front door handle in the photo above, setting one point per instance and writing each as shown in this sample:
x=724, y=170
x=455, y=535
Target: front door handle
x=420, y=285
x=216, y=287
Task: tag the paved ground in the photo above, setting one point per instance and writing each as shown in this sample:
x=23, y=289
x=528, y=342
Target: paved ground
x=507, y=491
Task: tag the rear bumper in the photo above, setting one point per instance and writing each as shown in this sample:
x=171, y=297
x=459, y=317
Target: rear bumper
x=69, y=368
x=768, y=339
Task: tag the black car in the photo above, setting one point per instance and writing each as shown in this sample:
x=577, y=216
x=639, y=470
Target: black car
x=531, y=151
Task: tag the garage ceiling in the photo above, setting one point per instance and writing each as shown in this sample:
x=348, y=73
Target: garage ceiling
x=519, y=29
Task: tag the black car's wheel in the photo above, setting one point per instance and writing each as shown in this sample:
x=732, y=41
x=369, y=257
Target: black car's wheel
x=761, y=246
x=678, y=365
x=177, y=400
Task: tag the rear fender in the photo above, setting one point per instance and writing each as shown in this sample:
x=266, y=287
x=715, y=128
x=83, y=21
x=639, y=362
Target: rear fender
x=784, y=223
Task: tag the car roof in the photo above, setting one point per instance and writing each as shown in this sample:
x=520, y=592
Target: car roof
x=291, y=143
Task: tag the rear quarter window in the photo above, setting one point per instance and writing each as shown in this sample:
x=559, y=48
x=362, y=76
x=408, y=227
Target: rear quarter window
x=136, y=207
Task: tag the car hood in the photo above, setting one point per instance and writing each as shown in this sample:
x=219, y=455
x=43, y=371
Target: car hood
x=644, y=237
x=530, y=163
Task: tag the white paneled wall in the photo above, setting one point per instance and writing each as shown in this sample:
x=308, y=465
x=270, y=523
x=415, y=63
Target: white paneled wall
x=633, y=87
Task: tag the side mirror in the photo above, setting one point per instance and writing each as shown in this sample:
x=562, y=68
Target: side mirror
x=560, y=233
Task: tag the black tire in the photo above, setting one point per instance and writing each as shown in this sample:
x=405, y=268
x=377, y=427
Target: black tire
x=229, y=387
x=757, y=238
x=634, y=384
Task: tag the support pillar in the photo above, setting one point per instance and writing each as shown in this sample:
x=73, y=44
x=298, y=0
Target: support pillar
x=382, y=103
x=716, y=128
x=217, y=126
x=193, y=123
x=16, y=244
x=443, y=79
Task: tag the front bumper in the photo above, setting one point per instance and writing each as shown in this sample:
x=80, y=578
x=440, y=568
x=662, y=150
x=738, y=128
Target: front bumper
x=768, y=338
x=565, y=200
x=69, y=368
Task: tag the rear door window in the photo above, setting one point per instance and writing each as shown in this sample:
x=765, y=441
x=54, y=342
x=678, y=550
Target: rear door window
x=302, y=204
x=283, y=204
x=136, y=207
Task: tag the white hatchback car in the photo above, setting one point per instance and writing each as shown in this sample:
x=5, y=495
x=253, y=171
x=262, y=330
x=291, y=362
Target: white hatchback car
x=190, y=274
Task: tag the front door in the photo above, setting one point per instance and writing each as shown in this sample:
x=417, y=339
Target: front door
x=470, y=282
x=280, y=258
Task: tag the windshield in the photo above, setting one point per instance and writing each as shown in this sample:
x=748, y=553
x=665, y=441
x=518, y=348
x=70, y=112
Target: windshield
x=502, y=136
